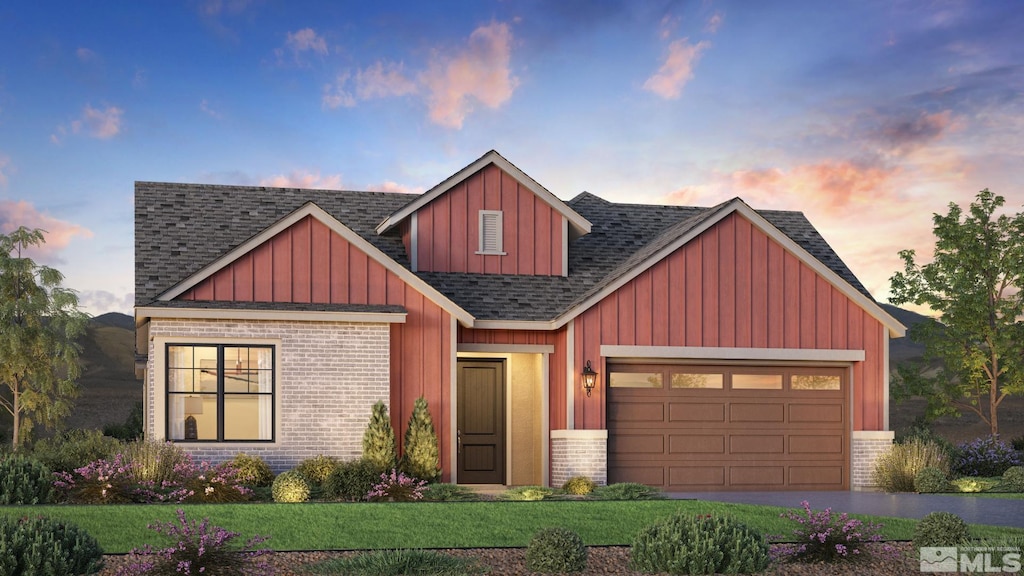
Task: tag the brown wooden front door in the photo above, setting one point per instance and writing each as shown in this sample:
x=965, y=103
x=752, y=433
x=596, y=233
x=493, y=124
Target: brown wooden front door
x=481, y=421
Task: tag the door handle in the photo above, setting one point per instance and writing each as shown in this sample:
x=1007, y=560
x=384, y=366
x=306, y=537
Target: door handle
x=458, y=441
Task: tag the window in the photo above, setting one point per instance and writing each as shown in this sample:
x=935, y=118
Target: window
x=814, y=382
x=757, y=381
x=490, y=232
x=696, y=380
x=220, y=392
x=634, y=380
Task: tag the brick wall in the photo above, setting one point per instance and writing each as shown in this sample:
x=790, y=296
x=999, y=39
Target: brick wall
x=329, y=376
x=865, y=447
x=579, y=453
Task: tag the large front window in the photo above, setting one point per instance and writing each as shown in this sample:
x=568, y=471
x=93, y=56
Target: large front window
x=220, y=392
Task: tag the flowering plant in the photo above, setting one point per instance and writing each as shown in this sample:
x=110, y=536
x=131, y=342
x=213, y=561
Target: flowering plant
x=197, y=548
x=822, y=535
x=986, y=456
x=396, y=487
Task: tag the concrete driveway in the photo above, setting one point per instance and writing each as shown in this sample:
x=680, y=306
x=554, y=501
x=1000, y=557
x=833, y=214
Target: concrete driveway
x=974, y=510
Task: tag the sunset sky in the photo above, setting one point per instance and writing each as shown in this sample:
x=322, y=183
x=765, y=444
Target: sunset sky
x=867, y=116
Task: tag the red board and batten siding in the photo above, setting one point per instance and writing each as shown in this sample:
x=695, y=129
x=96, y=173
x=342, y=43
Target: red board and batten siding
x=308, y=262
x=448, y=229
x=733, y=287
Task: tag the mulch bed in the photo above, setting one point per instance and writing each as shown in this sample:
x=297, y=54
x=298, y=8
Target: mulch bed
x=611, y=560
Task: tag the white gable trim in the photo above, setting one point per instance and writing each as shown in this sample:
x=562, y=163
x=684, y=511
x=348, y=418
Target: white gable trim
x=311, y=209
x=736, y=205
x=579, y=223
x=282, y=315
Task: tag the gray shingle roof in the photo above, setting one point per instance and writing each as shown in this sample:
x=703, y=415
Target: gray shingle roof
x=180, y=228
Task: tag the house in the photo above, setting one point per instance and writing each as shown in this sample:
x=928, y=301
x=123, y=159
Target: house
x=728, y=348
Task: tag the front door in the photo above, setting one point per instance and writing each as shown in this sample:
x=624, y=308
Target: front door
x=481, y=420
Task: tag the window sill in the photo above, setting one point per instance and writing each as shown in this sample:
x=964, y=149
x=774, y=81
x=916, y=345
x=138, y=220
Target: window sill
x=492, y=253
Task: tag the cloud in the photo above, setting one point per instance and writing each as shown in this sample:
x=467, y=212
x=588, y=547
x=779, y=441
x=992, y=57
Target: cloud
x=479, y=73
x=86, y=55
x=101, y=124
x=390, y=186
x=302, y=41
x=715, y=22
x=381, y=80
x=205, y=107
x=668, y=25
x=5, y=169
x=297, y=179
x=98, y=302
x=14, y=214
x=669, y=80
x=336, y=95
x=904, y=135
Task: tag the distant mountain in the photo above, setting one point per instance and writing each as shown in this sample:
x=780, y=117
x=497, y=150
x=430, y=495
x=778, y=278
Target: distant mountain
x=115, y=319
x=903, y=349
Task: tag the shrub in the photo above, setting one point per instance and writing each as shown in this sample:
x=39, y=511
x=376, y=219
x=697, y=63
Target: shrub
x=526, y=493
x=46, y=547
x=196, y=549
x=24, y=480
x=352, y=480
x=940, y=529
x=579, y=486
x=130, y=429
x=443, y=492
x=100, y=482
x=824, y=536
x=985, y=457
x=396, y=487
x=556, y=550
x=1018, y=443
x=626, y=491
x=379, y=439
x=421, y=458
x=290, y=486
x=399, y=563
x=156, y=462
x=1013, y=479
x=896, y=468
x=74, y=449
x=317, y=468
x=921, y=432
x=974, y=484
x=710, y=544
x=252, y=470
x=930, y=481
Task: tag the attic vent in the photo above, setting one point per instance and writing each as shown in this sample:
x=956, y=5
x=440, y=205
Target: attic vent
x=490, y=232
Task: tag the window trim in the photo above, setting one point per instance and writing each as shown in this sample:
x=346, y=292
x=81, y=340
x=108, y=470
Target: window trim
x=496, y=217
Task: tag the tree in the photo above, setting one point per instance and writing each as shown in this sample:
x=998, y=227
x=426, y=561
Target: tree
x=379, y=438
x=421, y=458
x=40, y=324
x=974, y=283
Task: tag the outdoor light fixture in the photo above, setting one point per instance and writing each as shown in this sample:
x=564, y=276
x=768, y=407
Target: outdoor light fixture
x=193, y=405
x=589, y=378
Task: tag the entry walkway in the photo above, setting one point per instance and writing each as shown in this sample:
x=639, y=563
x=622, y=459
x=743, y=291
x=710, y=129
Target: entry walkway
x=992, y=511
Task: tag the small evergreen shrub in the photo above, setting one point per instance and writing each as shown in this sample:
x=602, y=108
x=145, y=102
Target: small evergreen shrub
x=824, y=536
x=352, y=480
x=626, y=491
x=974, y=484
x=197, y=548
x=379, y=445
x=709, y=544
x=317, y=468
x=45, y=547
x=74, y=449
x=526, y=493
x=24, y=480
x=554, y=550
x=1018, y=443
x=290, y=486
x=940, y=529
x=421, y=458
x=443, y=492
x=896, y=468
x=130, y=429
x=252, y=470
x=1013, y=479
x=579, y=486
x=396, y=487
x=931, y=481
x=986, y=456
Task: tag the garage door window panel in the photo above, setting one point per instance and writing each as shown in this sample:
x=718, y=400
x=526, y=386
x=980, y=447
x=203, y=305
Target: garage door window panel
x=636, y=380
x=696, y=380
x=757, y=381
x=815, y=382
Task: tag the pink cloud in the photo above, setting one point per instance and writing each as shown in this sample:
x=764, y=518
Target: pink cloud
x=336, y=95
x=303, y=180
x=715, y=22
x=903, y=136
x=306, y=40
x=390, y=186
x=86, y=55
x=102, y=124
x=381, y=80
x=831, y=186
x=478, y=73
x=14, y=214
x=669, y=80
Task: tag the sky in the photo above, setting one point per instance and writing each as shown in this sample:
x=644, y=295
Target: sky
x=868, y=116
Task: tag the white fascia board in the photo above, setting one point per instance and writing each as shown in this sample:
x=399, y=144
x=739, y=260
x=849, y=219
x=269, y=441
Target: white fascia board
x=513, y=325
x=283, y=315
x=722, y=353
x=509, y=348
x=581, y=224
x=311, y=209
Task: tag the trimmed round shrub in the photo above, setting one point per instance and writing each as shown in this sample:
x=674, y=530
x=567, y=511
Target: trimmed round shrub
x=556, y=550
x=352, y=480
x=1013, y=479
x=896, y=468
x=986, y=456
x=317, y=468
x=252, y=470
x=74, y=449
x=47, y=547
x=940, y=529
x=290, y=486
x=708, y=544
x=931, y=481
x=24, y=480
x=626, y=491
x=579, y=486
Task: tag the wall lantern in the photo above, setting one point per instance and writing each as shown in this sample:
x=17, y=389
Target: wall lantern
x=589, y=378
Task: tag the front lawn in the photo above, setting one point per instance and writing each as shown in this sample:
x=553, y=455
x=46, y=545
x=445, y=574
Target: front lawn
x=334, y=526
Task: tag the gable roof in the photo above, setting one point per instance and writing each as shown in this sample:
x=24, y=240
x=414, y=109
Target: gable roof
x=577, y=223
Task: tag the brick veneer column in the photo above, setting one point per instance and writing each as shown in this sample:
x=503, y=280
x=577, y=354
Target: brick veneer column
x=579, y=453
x=865, y=447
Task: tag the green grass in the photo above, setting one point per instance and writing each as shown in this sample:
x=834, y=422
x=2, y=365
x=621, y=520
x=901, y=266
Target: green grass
x=338, y=526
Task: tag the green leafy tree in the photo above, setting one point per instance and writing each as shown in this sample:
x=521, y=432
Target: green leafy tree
x=421, y=458
x=974, y=282
x=379, y=438
x=40, y=324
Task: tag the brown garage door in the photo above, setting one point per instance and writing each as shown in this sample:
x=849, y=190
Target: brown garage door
x=691, y=428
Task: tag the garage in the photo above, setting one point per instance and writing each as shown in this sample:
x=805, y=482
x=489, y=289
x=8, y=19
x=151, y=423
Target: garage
x=684, y=427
